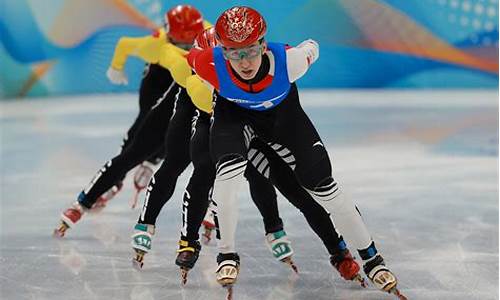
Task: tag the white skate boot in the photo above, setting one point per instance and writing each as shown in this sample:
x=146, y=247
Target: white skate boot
x=381, y=277
x=227, y=271
x=141, y=243
x=281, y=248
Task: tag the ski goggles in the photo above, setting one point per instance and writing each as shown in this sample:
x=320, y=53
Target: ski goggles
x=240, y=53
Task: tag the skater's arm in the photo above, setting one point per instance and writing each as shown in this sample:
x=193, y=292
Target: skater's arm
x=147, y=48
x=173, y=59
x=200, y=93
x=300, y=58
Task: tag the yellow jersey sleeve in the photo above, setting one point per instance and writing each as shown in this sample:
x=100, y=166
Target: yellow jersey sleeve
x=200, y=93
x=173, y=59
x=147, y=48
x=156, y=49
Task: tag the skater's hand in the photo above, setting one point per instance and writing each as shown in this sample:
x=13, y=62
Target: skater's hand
x=311, y=48
x=117, y=76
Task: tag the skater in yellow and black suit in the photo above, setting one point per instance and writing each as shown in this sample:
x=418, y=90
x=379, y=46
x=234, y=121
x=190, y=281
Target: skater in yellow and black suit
x=162, y=91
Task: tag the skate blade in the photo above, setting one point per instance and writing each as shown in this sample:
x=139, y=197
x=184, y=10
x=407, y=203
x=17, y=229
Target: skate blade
x=58, y=233
x=292, y=264
x=397, y=293
x=207, y=236
x=358, y=278
x=138, y=260
x=61, y=230
x=184, y=275
x=229, y=292
x=137, y=264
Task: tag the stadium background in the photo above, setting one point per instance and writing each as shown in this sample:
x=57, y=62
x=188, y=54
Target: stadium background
x=62, y=47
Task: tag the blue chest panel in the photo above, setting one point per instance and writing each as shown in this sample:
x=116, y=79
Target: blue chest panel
x=265, y=99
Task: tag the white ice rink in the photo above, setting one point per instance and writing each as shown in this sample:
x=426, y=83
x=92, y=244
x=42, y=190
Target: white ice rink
x=422, y=166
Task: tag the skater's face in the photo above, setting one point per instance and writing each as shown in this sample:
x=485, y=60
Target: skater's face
x=246, y=61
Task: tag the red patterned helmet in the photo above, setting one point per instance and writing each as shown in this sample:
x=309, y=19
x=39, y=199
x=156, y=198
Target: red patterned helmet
x=239, y=27
x=183, y=23
x=206, y=39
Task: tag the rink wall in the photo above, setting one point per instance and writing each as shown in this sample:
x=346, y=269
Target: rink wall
x=63, y=47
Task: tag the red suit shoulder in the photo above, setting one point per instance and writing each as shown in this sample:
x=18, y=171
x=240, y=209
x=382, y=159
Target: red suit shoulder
x=202, y=61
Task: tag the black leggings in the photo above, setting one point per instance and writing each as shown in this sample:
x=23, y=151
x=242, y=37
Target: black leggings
x=153, y=85
x=147, y=140
x=177, y=158
x=180, y=151
x=196, y=196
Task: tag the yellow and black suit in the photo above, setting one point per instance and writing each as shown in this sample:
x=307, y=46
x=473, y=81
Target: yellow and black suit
x=164, y=122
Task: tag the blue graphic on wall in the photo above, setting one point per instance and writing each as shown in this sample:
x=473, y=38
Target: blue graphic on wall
x=65, y=47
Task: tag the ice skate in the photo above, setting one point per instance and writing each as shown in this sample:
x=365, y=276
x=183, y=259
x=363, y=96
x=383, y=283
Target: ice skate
x=104, y=198
x=227, y=271
x=69, y=218
x=141, y=243
x=187, y=256
x=142, y=176
x=381, y=277
x=281, y=248
x=208, y=226
x=347, y=267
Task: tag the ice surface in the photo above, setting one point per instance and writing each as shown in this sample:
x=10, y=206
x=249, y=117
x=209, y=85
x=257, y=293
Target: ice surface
x=422, y=166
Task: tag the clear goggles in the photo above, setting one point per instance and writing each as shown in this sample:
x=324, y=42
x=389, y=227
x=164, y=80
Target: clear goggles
x=240, y=53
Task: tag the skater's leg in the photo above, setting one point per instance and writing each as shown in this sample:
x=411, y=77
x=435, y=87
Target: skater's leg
x=148, y=139
x=162, y=184
x=298, y=143
x=177, y=139
x=282, y=176
x=264, y=196
x=196, y=196
x=150, y=91
x=313, y=170
x=228, y=149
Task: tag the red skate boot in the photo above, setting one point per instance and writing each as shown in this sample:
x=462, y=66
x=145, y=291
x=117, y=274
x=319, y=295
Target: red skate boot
x=69, y=218
x=347, y=266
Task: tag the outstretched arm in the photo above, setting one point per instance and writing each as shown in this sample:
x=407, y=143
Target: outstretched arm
x=300, y=58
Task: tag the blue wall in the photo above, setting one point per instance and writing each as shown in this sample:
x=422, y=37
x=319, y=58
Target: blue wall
x=48, y=49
